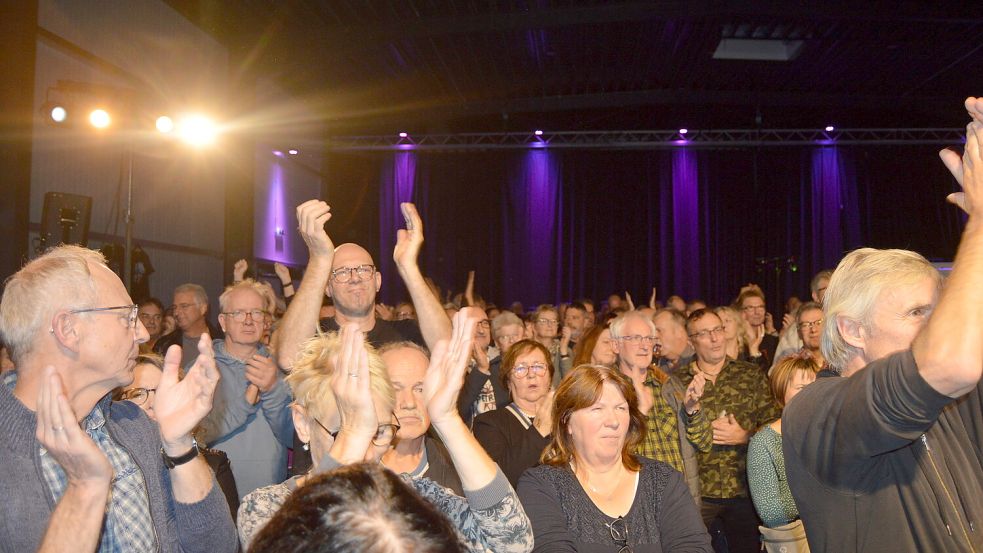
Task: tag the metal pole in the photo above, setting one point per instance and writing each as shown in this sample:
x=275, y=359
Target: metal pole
x=128, y=251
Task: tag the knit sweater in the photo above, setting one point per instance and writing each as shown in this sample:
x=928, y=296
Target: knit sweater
x=205, y=526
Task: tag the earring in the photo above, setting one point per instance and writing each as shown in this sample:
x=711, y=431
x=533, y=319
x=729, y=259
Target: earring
x=306, y=446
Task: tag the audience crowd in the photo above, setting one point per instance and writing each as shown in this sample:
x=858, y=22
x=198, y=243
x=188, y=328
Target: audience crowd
x=311, y=417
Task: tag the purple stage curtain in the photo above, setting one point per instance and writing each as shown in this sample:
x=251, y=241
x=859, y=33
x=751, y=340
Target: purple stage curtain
x=834, y=217
x=398, y=184
x=684, y=240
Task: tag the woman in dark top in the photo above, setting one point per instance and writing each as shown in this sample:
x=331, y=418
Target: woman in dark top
x=591, y=494
x=516, y=435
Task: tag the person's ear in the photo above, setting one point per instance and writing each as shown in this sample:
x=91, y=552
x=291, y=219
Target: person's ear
x=221, y=322
x=65, y=330
x=378, y=281
x=302, y=423
x=851, y=331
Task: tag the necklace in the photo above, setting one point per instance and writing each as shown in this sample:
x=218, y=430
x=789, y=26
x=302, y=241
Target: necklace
x=707, y=374
x=593, y=488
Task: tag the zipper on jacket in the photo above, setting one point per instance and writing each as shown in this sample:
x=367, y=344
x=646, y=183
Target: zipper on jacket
x=931, y=459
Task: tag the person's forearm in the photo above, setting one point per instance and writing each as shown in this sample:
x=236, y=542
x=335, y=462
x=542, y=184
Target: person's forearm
x=434, y=324
x=192, y=481
x=300, y=321
x=949, y=350
x=76, y=522
x=472, y=463
x=698, y=431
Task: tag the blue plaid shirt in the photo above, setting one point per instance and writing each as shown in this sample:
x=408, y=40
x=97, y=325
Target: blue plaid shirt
x=128, y=526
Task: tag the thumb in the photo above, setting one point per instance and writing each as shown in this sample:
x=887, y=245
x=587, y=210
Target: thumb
x=731, y=418
x=958, y=199
x=172, y=362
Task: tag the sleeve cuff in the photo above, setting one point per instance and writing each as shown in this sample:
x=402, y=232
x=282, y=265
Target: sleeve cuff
x=492, y=494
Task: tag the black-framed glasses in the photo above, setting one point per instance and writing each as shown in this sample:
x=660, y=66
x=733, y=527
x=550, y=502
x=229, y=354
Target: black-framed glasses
x=619, y=533
x=704, y=334
x=131, y=318
x=138, y=395
x=483, y=324
x=344, y=274
x=240, y=316
x=753, y=308
x=538, y=369
x=384, y=435
x=812, y=324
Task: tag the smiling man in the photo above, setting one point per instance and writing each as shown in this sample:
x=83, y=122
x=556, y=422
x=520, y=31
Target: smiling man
x=415, y=450
x=82, y=472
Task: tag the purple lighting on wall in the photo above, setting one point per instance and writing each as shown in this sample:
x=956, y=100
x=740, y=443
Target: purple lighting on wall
x=270, y=230
x=531, y=215
x=685, y=222
x=277, y=153
x=835, y=227
x=397, y=186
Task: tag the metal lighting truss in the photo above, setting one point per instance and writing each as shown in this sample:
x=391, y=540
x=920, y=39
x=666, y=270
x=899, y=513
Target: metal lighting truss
x=622, y=140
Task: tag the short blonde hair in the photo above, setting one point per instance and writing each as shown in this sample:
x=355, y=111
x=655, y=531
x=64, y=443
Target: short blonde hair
x=310, y=379
x=741, y=323
x=59, y=279
x=852, y=292
x=269, y=303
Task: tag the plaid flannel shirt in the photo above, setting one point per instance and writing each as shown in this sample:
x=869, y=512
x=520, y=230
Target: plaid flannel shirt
x=661, y=440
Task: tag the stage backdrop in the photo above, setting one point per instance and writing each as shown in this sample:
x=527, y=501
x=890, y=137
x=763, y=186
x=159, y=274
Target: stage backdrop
x=544, y=225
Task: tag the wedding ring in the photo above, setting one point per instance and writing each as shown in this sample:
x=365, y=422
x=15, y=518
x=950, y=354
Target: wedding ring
x=353, y=375
x=57, y=428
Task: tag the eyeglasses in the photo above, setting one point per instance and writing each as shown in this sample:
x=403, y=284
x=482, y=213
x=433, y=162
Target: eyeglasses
x=703, y=334
x=619, y=533
x=131, y=318
x=138, y=395
x=548, y=322
x=537, y=369
x=184, y=306
x=240, y=316
x=753, y=308
x=345, y=274
x=810, y=325
x=636, y=339
x=146, y=317
x=484, y=324
x=384, y=435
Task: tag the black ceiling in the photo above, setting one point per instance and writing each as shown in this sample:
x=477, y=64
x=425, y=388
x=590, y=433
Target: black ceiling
x=378, y=66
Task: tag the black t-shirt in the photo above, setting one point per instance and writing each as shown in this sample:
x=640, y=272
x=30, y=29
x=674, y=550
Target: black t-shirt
x=385, y=332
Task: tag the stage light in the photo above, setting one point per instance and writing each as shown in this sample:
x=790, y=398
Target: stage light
x=403, y=135
x=165, y=124
x=683, y=131
x=197, y=130
x=58, y=114
x=99, y=118
x=277, y=153
x=538, y=132
x=830, y=128
x=293, y=152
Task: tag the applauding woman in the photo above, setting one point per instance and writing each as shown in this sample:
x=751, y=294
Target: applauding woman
x=516, y=436
x=591, y=494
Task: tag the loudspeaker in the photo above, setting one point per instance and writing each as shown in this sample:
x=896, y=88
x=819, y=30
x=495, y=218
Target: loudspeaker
x=65, y=219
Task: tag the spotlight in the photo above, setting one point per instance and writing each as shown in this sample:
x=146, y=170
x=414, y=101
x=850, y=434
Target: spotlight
x=58, y=114
x=99, y=118
x=165, y=124
x=683, y=131
x=403, y=135
x=537, y=132
x=830, y=128
x=277, y=153
x=293, y=152
x=197, y=130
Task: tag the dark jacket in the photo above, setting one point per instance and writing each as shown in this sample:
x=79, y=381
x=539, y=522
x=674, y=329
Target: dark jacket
x=880, y=461
x=174, y=338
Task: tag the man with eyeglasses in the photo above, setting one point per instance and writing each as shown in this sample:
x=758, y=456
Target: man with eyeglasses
x=790, y=340
x=191, y=315
x=81, y=472
x=751, y=304
x=348, y=275
x=250, y=420
x=483, y=389
x=677, y=427
x=737, y=400
x=151, y=314
x=809, y=324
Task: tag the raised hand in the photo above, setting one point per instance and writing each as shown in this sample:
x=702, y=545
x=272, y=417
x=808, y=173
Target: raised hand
x=787, y=321
x=410, y=239
x=480, y=357
x=652, y=299
x=967, y=169
x=282, y=272
x=311, y=217
x=691, y=399
x=448, y=364
x=239, y=270
x=180, y=405
x=631, y=304
x=543, y=419
x=769, y=323
x=384, y=312
x=350, y=384
x=756, y=335
x=59, y=432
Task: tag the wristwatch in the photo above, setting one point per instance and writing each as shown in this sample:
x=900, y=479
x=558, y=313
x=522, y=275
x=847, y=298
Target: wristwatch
x=171, y=462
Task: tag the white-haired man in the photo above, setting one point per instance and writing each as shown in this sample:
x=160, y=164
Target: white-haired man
x=251, y=420
x=886, y=458
x=81, y=472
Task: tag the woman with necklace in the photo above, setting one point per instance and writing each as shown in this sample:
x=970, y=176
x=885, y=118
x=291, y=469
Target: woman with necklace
x=516, y=435
x=591, y=494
